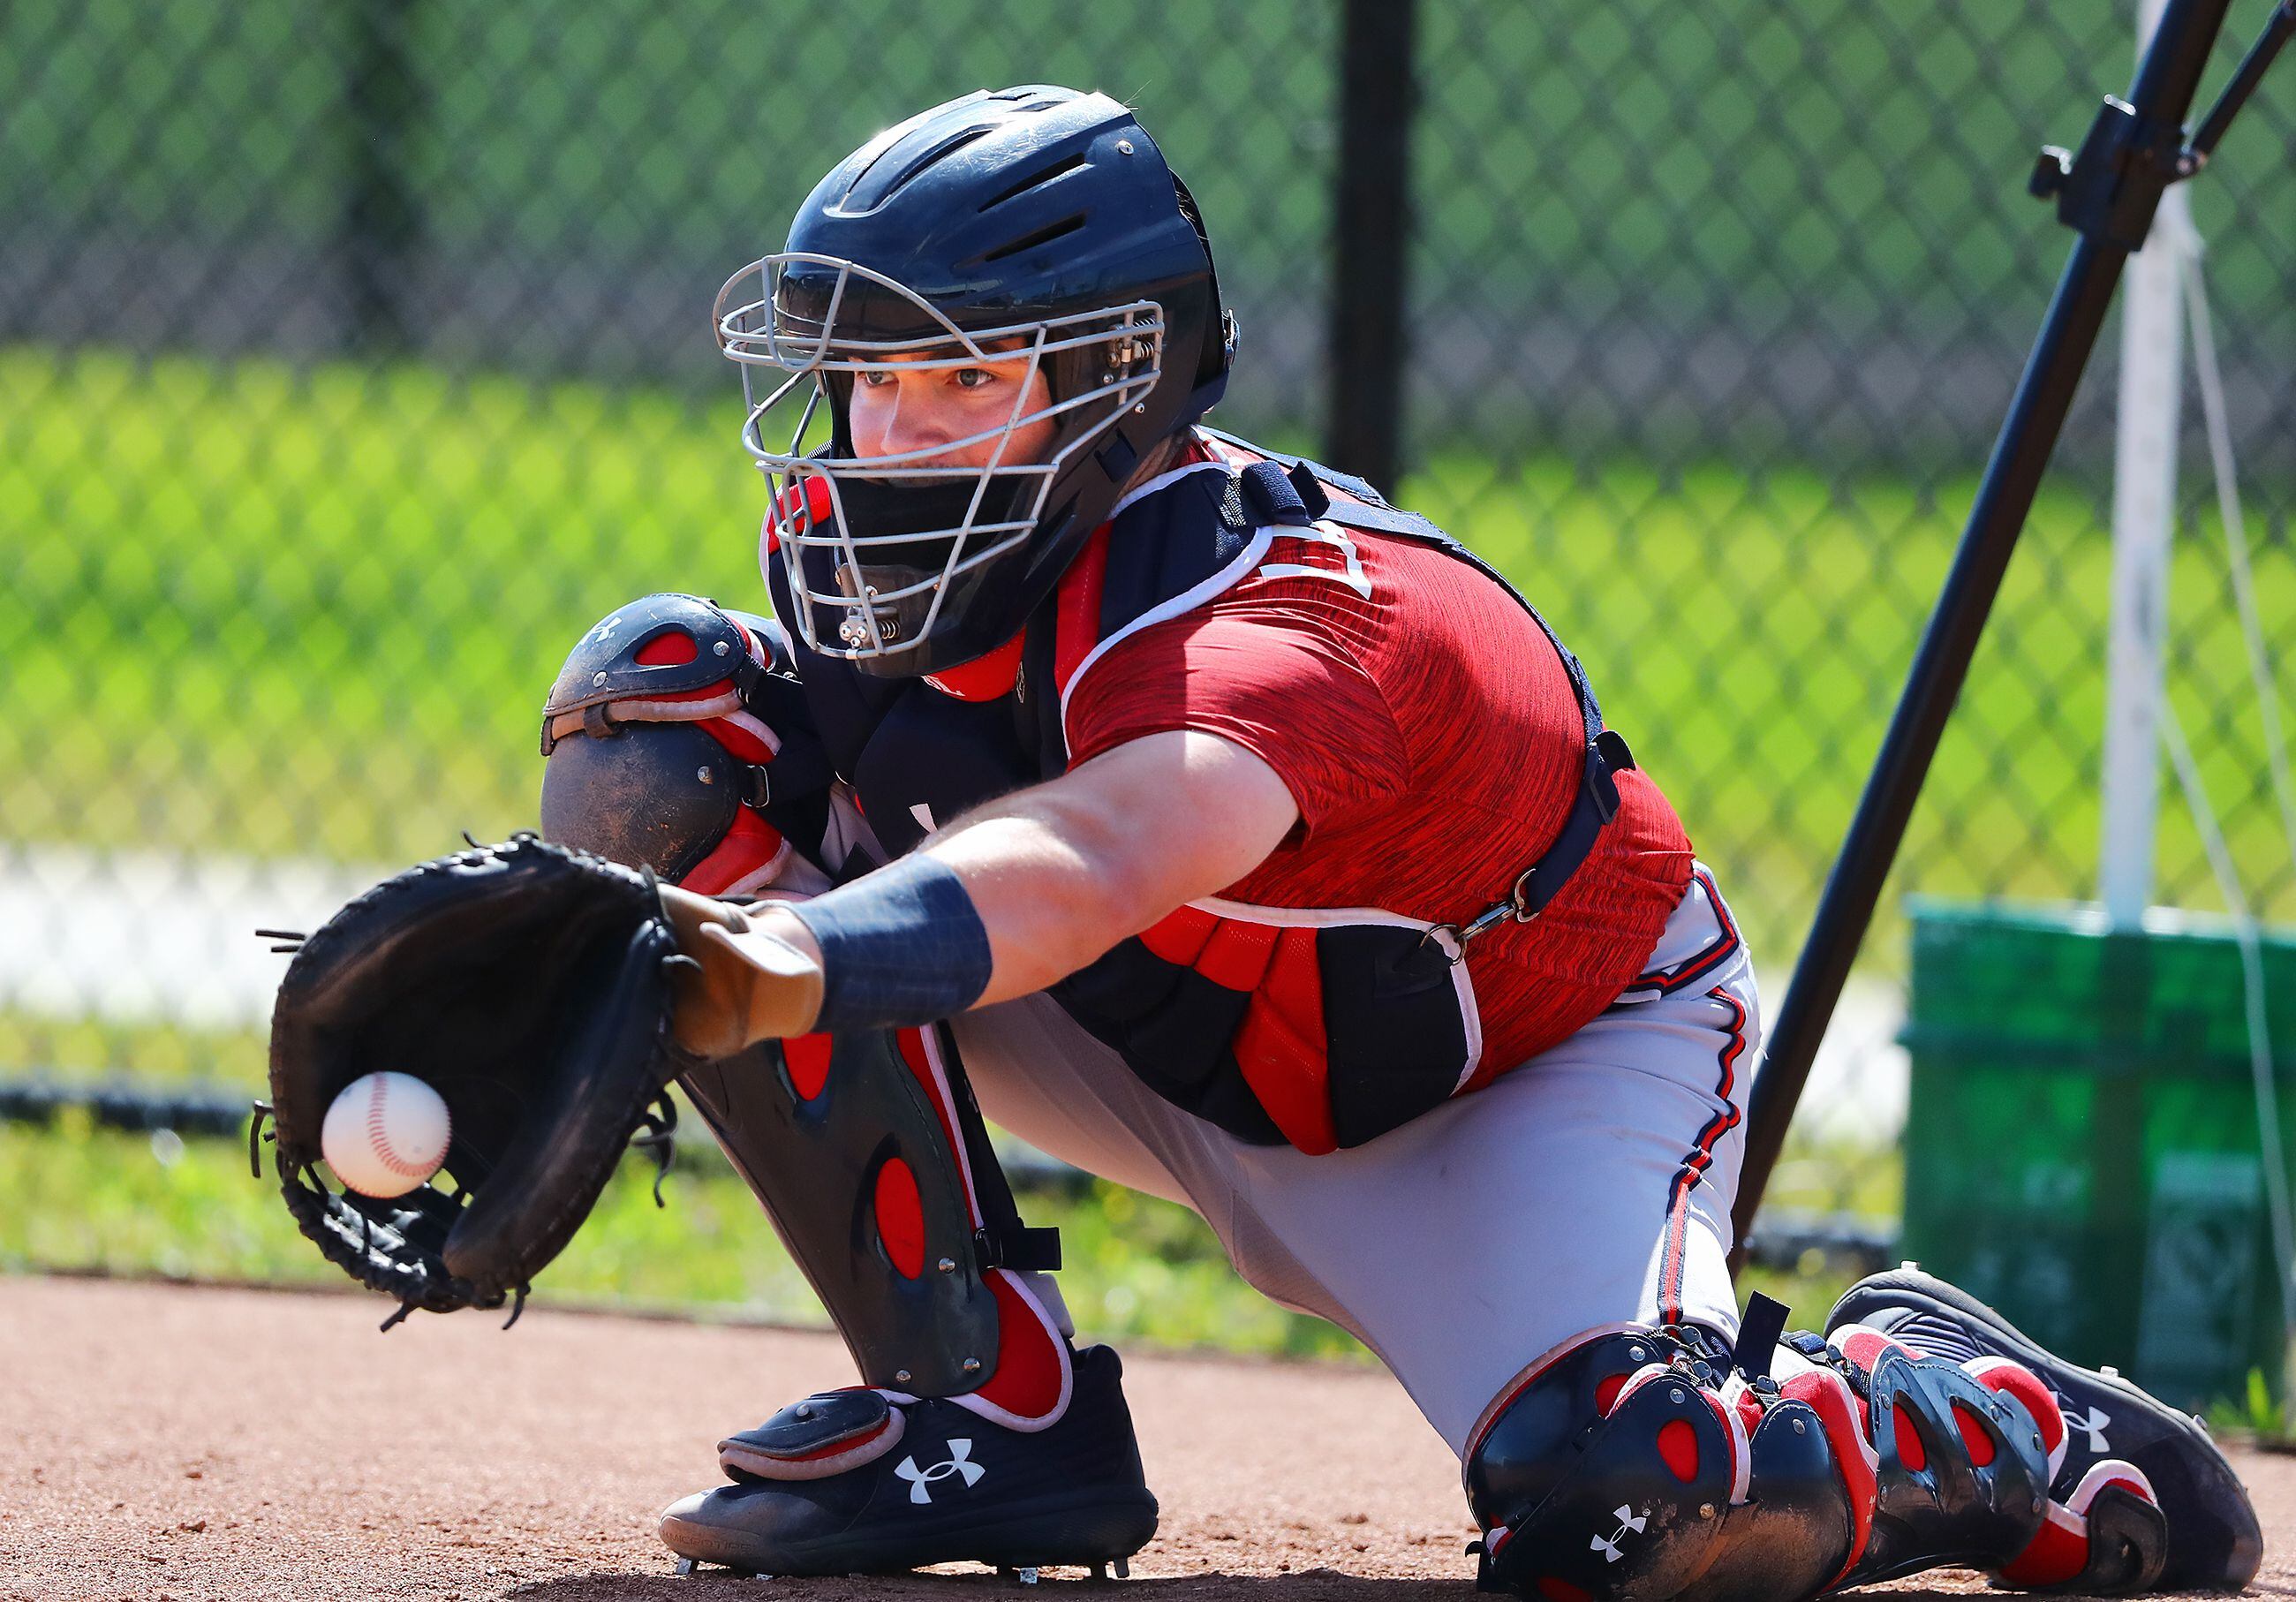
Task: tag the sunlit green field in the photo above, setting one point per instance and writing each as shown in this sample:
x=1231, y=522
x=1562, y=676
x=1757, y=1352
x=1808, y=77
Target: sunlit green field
x=86, y=1200
x=280, y=612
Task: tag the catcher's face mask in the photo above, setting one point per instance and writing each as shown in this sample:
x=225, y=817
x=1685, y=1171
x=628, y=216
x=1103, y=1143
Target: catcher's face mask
x=913, y=559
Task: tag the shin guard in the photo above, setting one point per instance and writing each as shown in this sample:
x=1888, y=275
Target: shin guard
x=1644, y=1464
x=679, y=738
x=870, y=1158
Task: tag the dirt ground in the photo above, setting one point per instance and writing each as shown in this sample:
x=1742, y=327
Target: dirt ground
x=161, y=1441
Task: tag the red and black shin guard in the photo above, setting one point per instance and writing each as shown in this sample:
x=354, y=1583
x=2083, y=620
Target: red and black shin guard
x=1645, y=1464
x=873, y=1164
x=2106, y=1536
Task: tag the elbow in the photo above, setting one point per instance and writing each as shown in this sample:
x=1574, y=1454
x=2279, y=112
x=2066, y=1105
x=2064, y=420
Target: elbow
x=1115, y=886
x=1130, y=890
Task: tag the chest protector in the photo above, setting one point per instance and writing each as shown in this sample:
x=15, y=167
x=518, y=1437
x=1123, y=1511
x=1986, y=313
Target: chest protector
x=1322, y=1027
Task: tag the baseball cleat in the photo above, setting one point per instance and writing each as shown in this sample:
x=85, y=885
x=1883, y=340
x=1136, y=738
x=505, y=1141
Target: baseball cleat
x=2213, y=1539
x=851, y=1482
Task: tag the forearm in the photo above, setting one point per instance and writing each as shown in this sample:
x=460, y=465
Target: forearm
x=1050, y=896
x=1019, y=894
x=1052, y=891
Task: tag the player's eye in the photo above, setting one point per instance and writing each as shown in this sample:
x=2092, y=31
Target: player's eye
x=873, y=379
x=972, y=378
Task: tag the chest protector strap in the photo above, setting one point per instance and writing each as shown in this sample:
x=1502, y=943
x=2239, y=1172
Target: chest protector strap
x=1295, y=495
x=1320, y=1028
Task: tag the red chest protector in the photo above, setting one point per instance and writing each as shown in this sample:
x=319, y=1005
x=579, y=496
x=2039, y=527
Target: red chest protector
x=1321, y=1027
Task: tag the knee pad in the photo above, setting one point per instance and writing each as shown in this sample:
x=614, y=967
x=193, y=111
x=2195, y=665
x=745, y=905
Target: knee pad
x=678, y=738
x=1617, y=1466
x=868, y=1154
x=1644, y=1463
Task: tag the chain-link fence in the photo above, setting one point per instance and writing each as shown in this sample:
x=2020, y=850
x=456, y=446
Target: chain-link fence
x=354, y=358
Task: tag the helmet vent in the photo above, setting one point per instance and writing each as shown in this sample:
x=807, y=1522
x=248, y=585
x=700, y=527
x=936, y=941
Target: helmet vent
x=1037, y=179
x=883, y=179
x=1030, y=240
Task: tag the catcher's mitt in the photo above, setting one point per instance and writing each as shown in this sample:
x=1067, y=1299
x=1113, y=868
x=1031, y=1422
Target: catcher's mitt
x=529, y=985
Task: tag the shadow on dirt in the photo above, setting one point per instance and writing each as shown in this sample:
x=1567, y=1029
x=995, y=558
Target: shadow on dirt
x=1310, y=1585
x=1318, y=1584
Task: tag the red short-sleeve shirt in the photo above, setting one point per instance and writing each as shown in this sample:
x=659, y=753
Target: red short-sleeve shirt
x=1426, y=727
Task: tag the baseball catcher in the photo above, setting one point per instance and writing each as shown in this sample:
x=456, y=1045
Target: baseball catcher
x=1240, y=837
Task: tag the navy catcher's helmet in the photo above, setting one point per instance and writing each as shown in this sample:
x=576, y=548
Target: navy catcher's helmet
x=1034, y=222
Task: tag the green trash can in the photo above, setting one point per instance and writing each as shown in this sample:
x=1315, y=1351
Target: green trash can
x=2082, y=1145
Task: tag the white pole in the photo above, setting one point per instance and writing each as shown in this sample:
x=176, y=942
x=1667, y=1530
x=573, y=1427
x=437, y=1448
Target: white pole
x=2144, y=519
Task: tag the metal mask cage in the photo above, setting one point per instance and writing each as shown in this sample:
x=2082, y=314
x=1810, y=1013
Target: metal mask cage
x=760, y=332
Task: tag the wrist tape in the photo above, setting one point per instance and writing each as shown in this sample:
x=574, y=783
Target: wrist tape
x=900, y=948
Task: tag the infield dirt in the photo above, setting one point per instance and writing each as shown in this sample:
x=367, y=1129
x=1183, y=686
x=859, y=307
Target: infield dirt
x=180, y=1443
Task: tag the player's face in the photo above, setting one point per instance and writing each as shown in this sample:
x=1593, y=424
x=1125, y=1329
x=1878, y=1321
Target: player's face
x=893, y=411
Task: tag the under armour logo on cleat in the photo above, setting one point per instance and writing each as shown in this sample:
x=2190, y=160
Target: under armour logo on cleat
x=2087, y=1421
x=960, y=1461
x=1629, y=1521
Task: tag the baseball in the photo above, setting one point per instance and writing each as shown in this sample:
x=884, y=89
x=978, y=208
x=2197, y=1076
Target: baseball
x=385, y=1134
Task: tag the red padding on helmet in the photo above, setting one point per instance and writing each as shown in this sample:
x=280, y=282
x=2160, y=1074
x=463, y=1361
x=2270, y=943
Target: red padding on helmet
x=809, y=496
x=1281, y=1047
x=1029, y=1377
x=668, y=650
x=1556, y=1588
x=807, y=1057
x=1677, y=1444
x=900, y=1218
x=707, y=691
x=984, y=677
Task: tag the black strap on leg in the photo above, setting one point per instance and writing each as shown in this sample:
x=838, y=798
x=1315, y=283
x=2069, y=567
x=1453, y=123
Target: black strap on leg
x=1003, y=1241
x=815, y=1147
x=1765, y=1322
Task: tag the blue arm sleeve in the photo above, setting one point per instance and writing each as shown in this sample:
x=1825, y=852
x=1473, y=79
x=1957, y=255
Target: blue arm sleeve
x=900, y=947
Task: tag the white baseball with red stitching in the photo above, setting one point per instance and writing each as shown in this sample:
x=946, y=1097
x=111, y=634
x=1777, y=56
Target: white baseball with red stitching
x=385, y=1134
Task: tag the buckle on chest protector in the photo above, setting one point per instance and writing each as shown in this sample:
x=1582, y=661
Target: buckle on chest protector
x=1598, y=794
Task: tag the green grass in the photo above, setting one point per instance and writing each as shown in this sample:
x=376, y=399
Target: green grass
x=1137, y=1269
x=83, y=1199
x=311, y=611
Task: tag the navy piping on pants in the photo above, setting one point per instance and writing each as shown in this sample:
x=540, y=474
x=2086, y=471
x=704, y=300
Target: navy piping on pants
x=1700, y=1156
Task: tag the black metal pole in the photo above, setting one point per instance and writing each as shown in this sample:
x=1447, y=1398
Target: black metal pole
x=1371, y=216
x=2108, y=195
x=379, y=220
